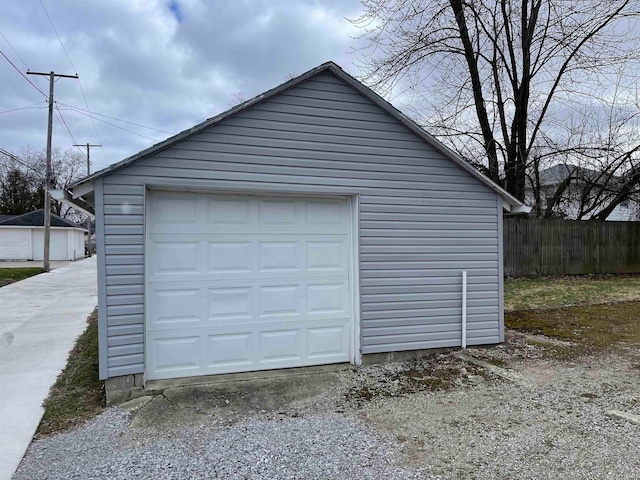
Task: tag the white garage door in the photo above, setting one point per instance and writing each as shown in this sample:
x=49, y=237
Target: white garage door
x=241, y=283
x=14, y=243
x=58, y=244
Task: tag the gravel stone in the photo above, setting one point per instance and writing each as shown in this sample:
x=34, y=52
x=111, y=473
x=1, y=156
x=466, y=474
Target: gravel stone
x=287, y=448
x=384, y=421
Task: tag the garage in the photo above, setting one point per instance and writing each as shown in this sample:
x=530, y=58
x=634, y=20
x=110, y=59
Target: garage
x=22, y=237
x=313, y=224
x=239, y=283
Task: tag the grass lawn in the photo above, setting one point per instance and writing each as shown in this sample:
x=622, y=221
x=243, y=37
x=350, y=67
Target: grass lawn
x=10, y=275
x=591, y=329
x=78, y=394
x=561, y=291
x=593, y=313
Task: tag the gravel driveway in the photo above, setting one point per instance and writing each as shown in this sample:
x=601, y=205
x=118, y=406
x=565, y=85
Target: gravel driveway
x=438, y=418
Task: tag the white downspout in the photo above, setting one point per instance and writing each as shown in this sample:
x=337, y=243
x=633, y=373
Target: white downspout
x=464, y=309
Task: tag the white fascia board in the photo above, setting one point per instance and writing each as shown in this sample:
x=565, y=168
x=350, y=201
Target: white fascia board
x=65, y=197
x=525, y=209
x=515, y=209
x=82, y=189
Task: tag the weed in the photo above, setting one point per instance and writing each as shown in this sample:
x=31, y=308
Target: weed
x=78, y=393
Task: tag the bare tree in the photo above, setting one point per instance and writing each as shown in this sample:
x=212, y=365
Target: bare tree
x=596, y=157
x=504, y=82
x=66, y=166
x=237, y=98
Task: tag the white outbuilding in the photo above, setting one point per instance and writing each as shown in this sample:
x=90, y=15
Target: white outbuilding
x=22, y=237
x=313, y=224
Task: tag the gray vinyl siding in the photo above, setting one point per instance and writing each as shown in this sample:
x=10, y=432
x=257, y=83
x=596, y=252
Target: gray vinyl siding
x=423, y=219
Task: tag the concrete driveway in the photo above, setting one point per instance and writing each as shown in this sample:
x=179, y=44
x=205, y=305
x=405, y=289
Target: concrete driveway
x=40, y=319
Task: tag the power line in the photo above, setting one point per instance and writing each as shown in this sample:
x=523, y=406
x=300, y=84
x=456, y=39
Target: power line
x=56, y=32
x=19, y=160
x=22, y=75
x=47, y=198
x=84, y=97
x=18, y=55
x=24, y=108
x=114, y=118
x=115, y=126
x=65, y=125
x=14, y=50
x=92, y=122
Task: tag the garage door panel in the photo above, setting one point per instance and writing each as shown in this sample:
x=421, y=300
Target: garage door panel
x=280, y=346
x=326, y=213
x=259, y=282
x=328, y=343
x=327, y=255
x=230, y=350
x=280, y=256
x=225, y=349
x=280, y=213
x=175, y=258
x=175, y=356
x=282, y=301
x=175, y=212
x=231, y=257
x=231, y=303
x=327, y=299
x=232, y=212
x=243, y=257
x=175, y=308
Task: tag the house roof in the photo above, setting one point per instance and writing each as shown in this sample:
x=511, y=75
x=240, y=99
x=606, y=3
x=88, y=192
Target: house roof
x=559, y=172
x=334, y=69
x=35, y=219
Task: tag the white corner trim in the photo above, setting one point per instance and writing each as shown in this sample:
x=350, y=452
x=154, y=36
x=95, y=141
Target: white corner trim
x=356, y=347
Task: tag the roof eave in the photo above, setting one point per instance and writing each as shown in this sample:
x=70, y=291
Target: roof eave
x=422, y=133
x=341, y=74
x=201, y=126
x=66, y=197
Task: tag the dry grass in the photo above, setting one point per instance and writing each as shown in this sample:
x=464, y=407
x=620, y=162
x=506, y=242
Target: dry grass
x=78, y=393
x=562, y=291
x=590, y=329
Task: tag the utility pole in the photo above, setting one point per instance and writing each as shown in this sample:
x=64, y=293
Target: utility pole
x=88, y=145
x=47, y=199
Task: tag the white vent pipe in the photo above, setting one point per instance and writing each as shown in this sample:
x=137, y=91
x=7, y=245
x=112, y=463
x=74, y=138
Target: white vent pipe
x=464, y=309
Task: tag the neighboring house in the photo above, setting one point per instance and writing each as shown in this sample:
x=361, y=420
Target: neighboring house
x=569, y=205
x=309, y=225
x=22, y=237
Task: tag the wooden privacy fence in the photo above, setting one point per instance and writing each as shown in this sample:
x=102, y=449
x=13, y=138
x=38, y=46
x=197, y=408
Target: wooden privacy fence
x=534, y=246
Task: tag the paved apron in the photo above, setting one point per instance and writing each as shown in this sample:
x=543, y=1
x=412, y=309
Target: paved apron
x=40, y=319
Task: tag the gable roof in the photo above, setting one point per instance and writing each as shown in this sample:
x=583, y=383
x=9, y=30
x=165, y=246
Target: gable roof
x=35, y=219
x=336, y=71
x=6, y=217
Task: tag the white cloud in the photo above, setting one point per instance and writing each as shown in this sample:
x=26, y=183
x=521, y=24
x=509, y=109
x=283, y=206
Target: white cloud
x=165, y=64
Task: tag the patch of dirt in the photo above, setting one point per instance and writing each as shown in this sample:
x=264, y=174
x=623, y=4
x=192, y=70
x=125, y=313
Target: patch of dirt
x=439, y=372
x=579, y=331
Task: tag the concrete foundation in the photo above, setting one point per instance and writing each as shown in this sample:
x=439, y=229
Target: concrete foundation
x=129, y=387
x=122, y=389
x=390, y=357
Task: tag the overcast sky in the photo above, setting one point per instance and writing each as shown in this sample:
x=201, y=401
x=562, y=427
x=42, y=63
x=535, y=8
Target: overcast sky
x=166, y=64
